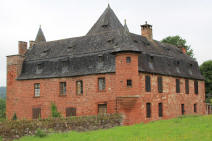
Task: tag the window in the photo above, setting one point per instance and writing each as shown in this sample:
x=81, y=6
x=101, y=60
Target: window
x=79, y=84
x=195, y=86
x=195, y=108
x=187, y=86
x=147, y=83
x=37, y=89
x=36, y=113
x=160, y=109
x=129, y=83
x=62, y=88
x=101, y=59
x=160, y=84
x=128, y=59
x=148, y=110
x=70, y=111
x=177, y=86
x=101, y=84
x=102, y=108
x=182, y=109
x=40, y=66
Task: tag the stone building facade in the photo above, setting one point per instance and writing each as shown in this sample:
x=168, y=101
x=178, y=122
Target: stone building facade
x=109, y=70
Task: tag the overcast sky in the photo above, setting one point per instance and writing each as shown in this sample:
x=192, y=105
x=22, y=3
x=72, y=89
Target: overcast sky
x=20, y=20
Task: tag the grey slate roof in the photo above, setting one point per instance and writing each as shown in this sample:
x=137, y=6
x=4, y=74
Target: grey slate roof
x=40, y=36
x=95, y=54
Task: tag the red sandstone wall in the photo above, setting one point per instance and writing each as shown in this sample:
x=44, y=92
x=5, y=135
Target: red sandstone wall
x=20, y=94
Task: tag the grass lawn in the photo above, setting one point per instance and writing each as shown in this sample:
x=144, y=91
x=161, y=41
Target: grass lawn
x=192, y=128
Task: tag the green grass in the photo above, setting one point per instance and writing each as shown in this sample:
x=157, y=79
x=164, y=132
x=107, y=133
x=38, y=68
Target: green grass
x=192, y=128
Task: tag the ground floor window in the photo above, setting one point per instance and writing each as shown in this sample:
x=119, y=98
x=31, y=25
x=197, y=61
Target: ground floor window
x=160, y=109
x=182, y=109
x=102, y=108
x=70, y=111
x=148, y=110
x=36, y=113
x=195, y=108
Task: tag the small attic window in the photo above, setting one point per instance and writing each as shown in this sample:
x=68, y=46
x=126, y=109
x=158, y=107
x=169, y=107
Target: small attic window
x=178, y=63
x=110, y=40
x=40, y=66
x=135, y=41
x=151, y=58
x=105, y=26
x=191, y=65
x=100, y=58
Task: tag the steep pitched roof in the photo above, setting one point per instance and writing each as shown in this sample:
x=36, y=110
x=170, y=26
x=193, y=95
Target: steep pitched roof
x=40, y=36
x=108, y=21
x=80, y=55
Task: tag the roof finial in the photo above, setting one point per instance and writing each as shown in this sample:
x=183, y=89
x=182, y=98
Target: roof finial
x=145, y=22
x=40, y=26
x=125, y=26
x=108, y=4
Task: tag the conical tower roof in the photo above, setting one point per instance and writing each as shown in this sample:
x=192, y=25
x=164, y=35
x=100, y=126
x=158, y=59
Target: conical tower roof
x=108, y=21
x=40, y=36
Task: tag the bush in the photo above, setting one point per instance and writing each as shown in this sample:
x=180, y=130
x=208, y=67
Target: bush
x=15, y=117
x=40, y=133
x=54, y=111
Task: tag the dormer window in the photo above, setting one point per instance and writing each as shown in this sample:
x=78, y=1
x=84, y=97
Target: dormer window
x=39, y=68
x=45, y=52
x=100, y=58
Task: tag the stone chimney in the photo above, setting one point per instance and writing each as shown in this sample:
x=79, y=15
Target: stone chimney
x=22, y=47
x=146, y=31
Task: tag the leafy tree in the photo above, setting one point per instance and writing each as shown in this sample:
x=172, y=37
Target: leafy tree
x=2, y=108
x=206, y=70
x=179, y=42
x=54, y=111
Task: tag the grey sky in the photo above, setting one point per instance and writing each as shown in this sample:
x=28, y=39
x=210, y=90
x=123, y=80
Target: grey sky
x=20, y=20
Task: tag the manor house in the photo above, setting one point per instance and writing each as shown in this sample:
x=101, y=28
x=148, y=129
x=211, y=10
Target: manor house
x=108, y=70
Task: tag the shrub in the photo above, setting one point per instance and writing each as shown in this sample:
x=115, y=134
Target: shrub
x=54, y=111
x=40, y=133
x=14, y=117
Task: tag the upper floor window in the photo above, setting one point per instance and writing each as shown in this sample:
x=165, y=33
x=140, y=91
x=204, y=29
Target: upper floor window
x=128, y=59
x=101, y=84
x=177, y=85
x=79, y=87
x=37, y=89
x=62, y=88
x=160, y=84
x=147, y=83
x=187, y=86
x=195, y=86
x=129, y=83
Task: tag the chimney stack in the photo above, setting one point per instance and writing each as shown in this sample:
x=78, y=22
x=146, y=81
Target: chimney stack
x=146, y=31
x=22, y=47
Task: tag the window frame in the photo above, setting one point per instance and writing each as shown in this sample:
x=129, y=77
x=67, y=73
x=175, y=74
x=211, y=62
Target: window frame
x=186, y=86
x=103, y=84
x=71, y=111
x=128, y=60
x=81, y=87
x=183, y=109
x=196, y=87
x=160, y=109
x=129, y=82
x=195, y=107
x=148, y=110
x=160, y=84
x=36, y=89
x=103, y=104
x=147, y=83
x=177, y=85
x=63, y=88
x=35, y=111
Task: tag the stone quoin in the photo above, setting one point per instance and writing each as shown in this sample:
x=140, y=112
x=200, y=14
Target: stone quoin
x=109, y=70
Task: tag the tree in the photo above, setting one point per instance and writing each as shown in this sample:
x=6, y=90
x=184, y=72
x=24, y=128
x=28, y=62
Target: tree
x=2, y=108
x=179, y=42
x=206, y=70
